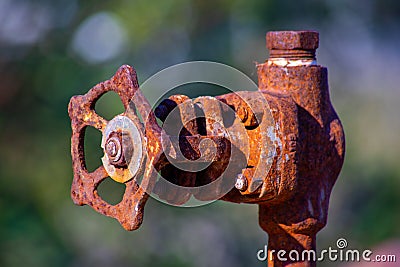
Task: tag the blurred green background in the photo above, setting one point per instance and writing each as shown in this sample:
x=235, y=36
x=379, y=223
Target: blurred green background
x=53, y=49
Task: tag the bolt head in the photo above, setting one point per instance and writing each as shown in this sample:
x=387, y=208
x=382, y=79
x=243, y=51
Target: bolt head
x=113, y=148
x=290, y=40
x=241, y=182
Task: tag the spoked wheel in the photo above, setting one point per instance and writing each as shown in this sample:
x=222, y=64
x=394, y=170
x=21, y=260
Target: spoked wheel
x=132, y=149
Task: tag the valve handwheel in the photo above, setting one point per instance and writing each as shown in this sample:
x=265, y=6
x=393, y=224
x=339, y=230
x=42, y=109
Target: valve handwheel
x=127, y=143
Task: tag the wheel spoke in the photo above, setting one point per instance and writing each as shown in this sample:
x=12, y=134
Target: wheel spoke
x=93, y=119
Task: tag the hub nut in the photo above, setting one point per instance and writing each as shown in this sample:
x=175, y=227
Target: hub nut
x=114, y=149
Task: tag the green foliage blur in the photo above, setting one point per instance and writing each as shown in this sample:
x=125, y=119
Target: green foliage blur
x=51, y=50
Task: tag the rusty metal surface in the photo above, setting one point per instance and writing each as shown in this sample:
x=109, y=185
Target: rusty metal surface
x=289, y=154
x=293, y=223
x=292, y=44
x=129, y=212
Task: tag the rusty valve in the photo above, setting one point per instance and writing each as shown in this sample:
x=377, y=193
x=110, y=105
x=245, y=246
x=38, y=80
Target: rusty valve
x=281, y=147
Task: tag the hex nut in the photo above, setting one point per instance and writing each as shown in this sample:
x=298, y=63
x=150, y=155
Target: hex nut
x=290, y=40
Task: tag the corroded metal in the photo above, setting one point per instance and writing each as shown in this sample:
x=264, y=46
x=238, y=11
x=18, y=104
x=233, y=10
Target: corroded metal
x=288, y=157
x=292, y=222
x=129, y=212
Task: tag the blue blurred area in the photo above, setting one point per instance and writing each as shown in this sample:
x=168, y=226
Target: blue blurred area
x=53, y=49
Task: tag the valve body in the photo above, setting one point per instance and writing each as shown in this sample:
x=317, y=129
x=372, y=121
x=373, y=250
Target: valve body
x=281, y=147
